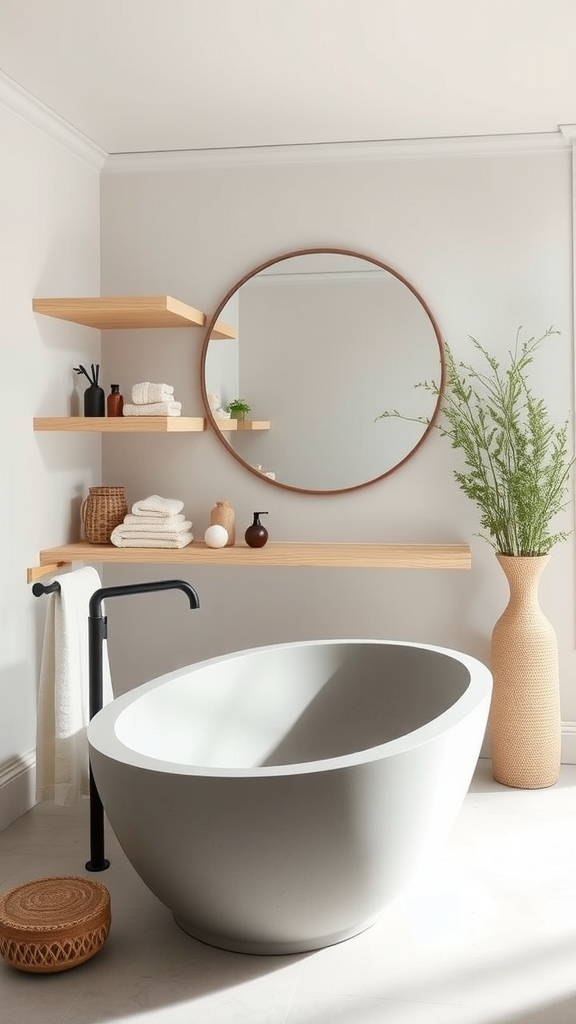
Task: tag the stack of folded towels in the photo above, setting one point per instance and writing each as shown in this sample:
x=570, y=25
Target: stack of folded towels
x=154, y=522
x=152, y=400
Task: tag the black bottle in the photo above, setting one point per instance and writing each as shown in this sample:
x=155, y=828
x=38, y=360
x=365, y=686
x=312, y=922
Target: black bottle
x=94, y=401
x=256, y=535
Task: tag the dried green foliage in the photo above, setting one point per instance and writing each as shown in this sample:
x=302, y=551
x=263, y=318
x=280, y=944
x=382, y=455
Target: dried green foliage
x=516, y=462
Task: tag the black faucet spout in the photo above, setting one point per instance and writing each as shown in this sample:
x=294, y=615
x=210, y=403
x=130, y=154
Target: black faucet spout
x=95, y=603
x=97, y=633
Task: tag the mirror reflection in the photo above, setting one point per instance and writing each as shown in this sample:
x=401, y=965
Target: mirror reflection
x=326, y=340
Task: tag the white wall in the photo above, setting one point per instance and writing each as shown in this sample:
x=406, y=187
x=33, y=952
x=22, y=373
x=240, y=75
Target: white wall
x=49, y=245
x=486, y=239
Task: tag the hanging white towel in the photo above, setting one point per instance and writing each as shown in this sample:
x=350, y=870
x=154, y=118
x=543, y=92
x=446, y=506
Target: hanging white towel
x=146, y=393
x=62, y=766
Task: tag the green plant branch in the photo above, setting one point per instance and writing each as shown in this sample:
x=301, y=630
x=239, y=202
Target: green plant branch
x=516, y=465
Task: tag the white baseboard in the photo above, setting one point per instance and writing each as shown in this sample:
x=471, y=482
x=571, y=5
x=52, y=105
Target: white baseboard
x=568, y=742
x=17, y=787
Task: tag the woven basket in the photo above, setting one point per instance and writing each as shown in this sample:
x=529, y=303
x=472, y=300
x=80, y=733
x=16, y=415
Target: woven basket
x=53, y=924
x=102, y=511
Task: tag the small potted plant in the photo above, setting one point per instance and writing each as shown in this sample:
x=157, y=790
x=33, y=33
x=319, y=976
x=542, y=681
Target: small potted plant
x=238, y=409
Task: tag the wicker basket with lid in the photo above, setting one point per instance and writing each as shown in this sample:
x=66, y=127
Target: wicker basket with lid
x=53, y=924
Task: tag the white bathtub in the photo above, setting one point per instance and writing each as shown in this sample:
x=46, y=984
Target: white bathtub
x=277, y=799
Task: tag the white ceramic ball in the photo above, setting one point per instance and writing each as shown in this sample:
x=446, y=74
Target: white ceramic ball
x=216, y=536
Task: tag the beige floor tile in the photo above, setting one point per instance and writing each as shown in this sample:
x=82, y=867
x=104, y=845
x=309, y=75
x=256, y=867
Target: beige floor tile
x=485, y=935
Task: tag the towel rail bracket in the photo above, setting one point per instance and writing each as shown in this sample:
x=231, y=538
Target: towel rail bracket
x=38, y=571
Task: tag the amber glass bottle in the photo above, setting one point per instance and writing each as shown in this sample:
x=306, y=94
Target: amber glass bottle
x=115, y=401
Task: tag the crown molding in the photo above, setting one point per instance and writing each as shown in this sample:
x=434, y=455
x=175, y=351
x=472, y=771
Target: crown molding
x=337, y=152
x=22, y=103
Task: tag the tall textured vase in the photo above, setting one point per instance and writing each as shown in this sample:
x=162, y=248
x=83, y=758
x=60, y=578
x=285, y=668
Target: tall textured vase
x=524, y=719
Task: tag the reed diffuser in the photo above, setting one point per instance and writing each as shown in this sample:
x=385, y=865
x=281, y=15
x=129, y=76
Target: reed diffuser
x=94, y=397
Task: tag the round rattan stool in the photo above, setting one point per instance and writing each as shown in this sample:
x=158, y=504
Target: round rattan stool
x=53, y=924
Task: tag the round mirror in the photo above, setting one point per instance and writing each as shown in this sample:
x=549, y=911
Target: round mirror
x=317, y=344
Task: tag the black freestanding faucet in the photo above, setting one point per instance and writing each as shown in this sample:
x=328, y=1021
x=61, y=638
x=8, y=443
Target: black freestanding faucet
x=97, y=633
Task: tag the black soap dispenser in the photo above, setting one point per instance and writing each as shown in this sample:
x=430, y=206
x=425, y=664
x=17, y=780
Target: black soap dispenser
x=256, y=535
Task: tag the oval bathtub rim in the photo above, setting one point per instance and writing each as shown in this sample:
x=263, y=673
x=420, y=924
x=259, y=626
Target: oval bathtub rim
x=102, y=735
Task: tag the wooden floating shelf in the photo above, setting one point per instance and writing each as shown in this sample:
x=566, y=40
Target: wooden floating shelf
x=122, y=424
x=243, y=424
x=129, y=311
x=275, y=553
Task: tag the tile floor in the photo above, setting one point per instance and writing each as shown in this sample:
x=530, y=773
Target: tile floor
x=486, y=936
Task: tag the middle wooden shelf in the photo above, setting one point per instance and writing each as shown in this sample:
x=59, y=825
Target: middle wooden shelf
x=121, y=424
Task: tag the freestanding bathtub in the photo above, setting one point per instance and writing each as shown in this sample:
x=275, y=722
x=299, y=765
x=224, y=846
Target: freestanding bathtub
x=277, y=799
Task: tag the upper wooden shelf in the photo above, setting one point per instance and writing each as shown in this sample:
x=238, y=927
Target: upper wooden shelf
x=121, y=424
x=129, y=311
x=275, y=553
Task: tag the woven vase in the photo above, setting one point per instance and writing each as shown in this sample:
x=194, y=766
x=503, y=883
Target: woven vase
x=102, y=511
x=524, y=721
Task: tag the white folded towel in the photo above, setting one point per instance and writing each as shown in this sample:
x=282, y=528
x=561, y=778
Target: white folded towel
x=148, y=532
x=151, y=522
x=147, y=393
x=155, y=409
x=155, y=540
x=155, y=505
x=62, y=770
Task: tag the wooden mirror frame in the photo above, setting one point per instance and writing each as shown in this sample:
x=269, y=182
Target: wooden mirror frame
x=216, y=316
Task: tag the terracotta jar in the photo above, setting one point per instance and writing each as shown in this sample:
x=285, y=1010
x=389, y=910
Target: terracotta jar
x=223, y=515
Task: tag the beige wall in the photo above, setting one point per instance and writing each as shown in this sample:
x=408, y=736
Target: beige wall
x=484, y=236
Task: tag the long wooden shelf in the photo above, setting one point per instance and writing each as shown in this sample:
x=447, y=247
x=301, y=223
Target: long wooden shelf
x=231, y=424
x=275, y=553
x=121, y=424
x=129, y=311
